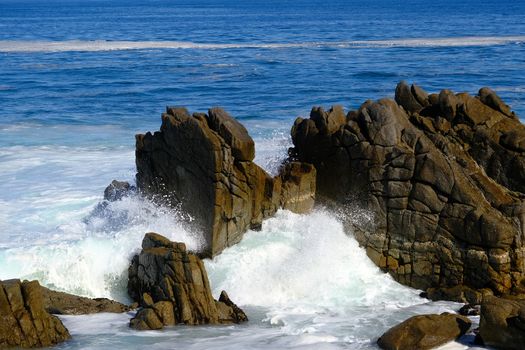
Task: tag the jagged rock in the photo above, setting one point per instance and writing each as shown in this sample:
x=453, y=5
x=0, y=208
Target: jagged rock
x=117, y=190
x=23, y=320
x=203, y=163
x=458, y=293
x=171, y=286
x=60, y=303
x=229, y=312
x=502, y=323
x=440, y=184
x=424, y=332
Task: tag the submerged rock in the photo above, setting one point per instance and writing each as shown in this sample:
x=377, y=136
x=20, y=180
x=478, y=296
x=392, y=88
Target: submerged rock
x=24, y=322
x=443, y=175
x=171, y=286
x=502, y=323
x=203, y=163
x=60, y=303
x=424, y=332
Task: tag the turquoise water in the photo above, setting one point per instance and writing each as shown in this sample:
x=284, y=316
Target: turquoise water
x=79, y=78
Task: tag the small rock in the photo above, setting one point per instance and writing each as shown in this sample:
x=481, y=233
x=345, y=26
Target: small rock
x=424, y=332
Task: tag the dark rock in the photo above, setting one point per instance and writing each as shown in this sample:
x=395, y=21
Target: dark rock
x=60, y=303
x=469, y=310
x=491, y=99
x=424, y=332
x=203, y=163
x=24, y=322
x=406, y=98
x=502, y=323
x=118, y=190
x=171, y=286
x=445, y=187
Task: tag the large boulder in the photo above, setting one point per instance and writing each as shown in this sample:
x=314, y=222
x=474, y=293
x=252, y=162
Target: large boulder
x=502, y=323
x=24, y=322
x=172, y=287
x=424, y=332
x=203, y=164
x=441, y=180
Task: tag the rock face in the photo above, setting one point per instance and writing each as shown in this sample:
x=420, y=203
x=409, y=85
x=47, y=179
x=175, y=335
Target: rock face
x=502, y=323
x=171, y=286
x=23, y=320
x=60, y=303
x=424, y=332
x=204, y=164
x=443, y=175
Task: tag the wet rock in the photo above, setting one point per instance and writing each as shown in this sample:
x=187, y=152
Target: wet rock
x=60, y=303
x=171, y=286
x=424, y=332
x=502, y=323
x=24, y=322
x=445, y=187
x=469, y=310
x=118, y=190
x=202, y=164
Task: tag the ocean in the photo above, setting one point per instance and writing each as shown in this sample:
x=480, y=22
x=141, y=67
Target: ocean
x=79, y=78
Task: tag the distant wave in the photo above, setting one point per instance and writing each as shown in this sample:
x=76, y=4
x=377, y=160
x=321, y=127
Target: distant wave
x=103, y=45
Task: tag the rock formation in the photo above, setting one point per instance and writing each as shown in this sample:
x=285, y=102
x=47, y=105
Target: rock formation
x=502, y=323
x=60, y=303
x=23, y=320
x=443, y=176
x=204, y=164
x=171, y=286
x=424, y=332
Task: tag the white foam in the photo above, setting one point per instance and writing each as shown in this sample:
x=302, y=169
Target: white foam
x=106, y=45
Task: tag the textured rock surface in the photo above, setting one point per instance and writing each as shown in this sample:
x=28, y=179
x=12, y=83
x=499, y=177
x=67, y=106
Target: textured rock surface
x=424, y=332
x=204, y=163
x=502, y=323
x=171, y=286
x=440, y=174
x=23, y=320
x=60, y=303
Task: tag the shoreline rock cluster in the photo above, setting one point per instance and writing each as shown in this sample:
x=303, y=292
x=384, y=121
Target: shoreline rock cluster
x=442, y=175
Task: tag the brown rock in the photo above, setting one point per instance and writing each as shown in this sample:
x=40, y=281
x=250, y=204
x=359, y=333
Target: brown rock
x=502, y=323
x=446, y=214
x=24, y=322
x=172, y=287
x=491, y=99
x=424, y=332
x=203, y=163
x=298, y=187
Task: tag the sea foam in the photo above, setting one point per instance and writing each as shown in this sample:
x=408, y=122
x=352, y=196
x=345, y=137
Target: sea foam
x=106, y=45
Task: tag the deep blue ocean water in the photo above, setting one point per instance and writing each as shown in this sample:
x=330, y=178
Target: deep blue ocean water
x=79, y=78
